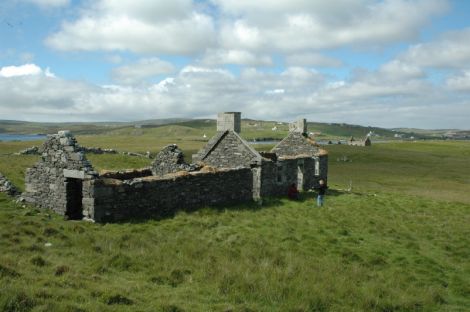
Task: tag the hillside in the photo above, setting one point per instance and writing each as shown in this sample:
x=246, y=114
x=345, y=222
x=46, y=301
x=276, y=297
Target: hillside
x=398, y=241
x=251, y=129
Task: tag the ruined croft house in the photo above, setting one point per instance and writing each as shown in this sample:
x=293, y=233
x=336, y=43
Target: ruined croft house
x=363, y=142
x=226, y=171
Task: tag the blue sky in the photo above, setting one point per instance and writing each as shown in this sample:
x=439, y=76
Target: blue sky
x=392, y=63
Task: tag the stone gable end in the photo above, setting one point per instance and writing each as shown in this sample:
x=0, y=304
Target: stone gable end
x=62, y=166
x=231, y=152
x=296, y=144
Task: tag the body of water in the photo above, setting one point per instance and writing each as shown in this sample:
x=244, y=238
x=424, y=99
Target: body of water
x=21, y=137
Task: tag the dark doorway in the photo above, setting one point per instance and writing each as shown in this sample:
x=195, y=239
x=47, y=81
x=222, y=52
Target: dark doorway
x=74, y=209
x=300, y=174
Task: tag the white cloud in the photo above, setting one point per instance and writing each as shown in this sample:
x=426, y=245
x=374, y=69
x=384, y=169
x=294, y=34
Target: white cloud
x=114, y=58
x=22, y=70
x=244, y=32
x=49, y=3
x=397, y=70
x=237, y=57
x=275, y=91
x=141, y=70
x=169, y=27
x=48, y=73
x=449, y=51
x=459, y=82
x=312, y=59
x=196, y=91
x=297, y=25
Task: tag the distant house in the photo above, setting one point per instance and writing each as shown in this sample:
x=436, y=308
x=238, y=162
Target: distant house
x=363, y=142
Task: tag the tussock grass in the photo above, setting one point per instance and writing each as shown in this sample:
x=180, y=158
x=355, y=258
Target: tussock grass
x=361, y=252
x=398, y=242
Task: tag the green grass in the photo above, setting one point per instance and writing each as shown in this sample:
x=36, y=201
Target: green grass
x=438, y=170
x=14, y=167
x=360, y=252
x=398, y=242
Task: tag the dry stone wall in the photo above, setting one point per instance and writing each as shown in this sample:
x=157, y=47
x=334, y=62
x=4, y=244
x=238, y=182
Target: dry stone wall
x=7, y=187
x=126, y=174
x=115, y=200
x=97, y=150
x=33, y=150
x=169, y=160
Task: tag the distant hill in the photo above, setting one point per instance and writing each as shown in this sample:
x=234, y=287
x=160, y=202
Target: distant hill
x=251, y=129
x=455, y=134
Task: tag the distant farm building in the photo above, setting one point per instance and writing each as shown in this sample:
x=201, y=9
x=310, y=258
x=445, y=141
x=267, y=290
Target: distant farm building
x=363, y=142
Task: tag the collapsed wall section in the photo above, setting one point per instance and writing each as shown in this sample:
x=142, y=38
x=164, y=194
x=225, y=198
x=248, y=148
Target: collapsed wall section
x=169, y=160
x=116, y=200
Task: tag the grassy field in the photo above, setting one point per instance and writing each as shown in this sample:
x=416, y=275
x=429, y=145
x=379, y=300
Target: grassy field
x=399, y=241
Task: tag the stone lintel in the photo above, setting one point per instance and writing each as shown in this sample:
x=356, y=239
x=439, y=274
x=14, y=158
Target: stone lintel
x=74, y=174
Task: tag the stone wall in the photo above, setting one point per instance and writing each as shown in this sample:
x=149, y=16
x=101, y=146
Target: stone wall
x=97, y=150
x=276, y=177
x=47, y=181
x=33, y=150
x=229, y=151
x=311, y=180
x=169, y=160
x=273, y=178
x=126, y=174
x=7, y=187
x=116, y=200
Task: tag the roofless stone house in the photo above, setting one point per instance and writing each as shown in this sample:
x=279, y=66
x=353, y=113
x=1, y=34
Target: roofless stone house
x=226, y=171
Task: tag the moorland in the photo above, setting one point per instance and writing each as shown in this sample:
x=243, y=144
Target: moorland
x=394, y=235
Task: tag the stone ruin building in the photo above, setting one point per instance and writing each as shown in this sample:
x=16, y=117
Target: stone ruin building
x=364, y=142
x=226, y=171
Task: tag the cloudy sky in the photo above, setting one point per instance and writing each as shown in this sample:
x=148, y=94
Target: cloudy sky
x=392, y=63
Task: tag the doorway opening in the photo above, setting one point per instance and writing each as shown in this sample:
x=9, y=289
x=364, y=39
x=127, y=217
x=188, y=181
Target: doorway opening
x=74, y=208
x=300, y=174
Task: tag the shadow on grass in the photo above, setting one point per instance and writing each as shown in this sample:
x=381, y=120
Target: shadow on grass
x=264, y=203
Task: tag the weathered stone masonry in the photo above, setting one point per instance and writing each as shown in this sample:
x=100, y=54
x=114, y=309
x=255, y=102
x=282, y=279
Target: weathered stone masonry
x=155, y=196
x=226, y=171
x=57, y=180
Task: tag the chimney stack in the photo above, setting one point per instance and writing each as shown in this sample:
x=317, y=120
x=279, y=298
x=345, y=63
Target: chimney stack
x=229, y=121
x=299, y=126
